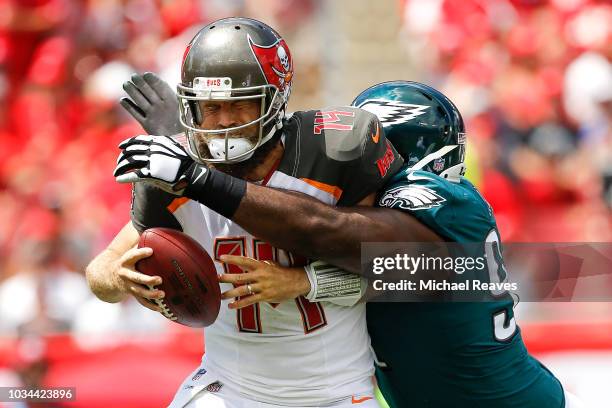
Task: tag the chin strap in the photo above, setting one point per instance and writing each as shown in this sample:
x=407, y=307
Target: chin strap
x=453, y=173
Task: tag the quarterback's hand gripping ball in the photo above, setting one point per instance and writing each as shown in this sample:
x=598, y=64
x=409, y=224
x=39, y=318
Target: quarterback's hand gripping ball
x=189, y=277
x=158, y=160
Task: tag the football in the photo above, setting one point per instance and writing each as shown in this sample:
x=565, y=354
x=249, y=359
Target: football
x=189, y=278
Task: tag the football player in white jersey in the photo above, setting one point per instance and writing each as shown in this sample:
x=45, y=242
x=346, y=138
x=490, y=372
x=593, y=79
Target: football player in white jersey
x=236, y=80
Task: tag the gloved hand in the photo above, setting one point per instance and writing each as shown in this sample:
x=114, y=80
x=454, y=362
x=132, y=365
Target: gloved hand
x=158, y=160
x=161, y=161
x=153, y=104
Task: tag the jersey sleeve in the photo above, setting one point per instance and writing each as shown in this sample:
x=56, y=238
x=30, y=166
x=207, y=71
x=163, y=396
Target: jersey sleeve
x=455, y=211
x=150, y=208
x=377, y=160
x=341, y=148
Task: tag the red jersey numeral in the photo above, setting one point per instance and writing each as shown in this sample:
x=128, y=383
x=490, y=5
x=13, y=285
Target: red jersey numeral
x=248, y=318
x=328, y=120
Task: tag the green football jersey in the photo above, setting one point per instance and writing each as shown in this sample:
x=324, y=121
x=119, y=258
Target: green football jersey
x=454, y=354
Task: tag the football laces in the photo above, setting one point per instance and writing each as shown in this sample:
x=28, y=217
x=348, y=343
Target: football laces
x=165, y=309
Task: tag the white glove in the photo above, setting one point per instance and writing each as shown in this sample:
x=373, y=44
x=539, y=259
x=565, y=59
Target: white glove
x=158, y=160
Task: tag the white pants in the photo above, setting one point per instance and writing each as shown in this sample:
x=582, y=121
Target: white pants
x=205, y=399
x=202, y=390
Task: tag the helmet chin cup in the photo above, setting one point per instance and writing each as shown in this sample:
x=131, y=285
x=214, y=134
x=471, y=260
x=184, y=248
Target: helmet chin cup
x=230, y=148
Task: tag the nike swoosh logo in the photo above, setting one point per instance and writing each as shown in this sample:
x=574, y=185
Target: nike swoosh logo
x=360, y=400
x=413, y=177
x=202, y=172
x=376, y=136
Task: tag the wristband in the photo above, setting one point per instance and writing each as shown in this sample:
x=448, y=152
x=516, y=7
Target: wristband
x=328, y=282
x=218, y=191
x=313, y=282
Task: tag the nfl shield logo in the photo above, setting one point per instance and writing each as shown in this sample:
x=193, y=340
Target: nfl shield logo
x=438, y=164
x=199, y=374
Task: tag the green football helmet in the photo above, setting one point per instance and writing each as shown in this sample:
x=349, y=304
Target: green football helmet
x=425, y=127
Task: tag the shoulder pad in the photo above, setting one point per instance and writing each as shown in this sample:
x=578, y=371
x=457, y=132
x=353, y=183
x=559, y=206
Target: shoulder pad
x=342, y=131
x=342, y=147
x=415, y=190
x=348, y=144
x=456, y=211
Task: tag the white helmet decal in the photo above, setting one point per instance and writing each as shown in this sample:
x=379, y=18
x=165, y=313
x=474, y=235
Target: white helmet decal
x=283, y=57
x=392, y=112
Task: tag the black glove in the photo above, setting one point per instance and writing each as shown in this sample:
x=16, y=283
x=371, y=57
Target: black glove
x=153, y=104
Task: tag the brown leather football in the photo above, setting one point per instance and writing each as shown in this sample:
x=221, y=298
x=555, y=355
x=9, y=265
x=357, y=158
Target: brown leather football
x=189, y=277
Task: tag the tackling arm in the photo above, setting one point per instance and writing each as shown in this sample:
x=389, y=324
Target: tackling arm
x=301, y=224
x=287, y=220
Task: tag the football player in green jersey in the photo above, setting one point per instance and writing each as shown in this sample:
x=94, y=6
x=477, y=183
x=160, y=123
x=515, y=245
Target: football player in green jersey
x=434, y=354
x=438, y=354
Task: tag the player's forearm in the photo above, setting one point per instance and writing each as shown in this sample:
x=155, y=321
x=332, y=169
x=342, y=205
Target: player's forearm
x=100, y=273
x=303, y=225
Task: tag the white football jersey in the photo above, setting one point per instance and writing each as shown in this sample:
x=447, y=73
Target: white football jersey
x=296, y=353
x=292, y=353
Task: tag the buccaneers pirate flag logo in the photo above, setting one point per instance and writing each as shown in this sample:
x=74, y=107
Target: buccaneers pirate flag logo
x=275, y=61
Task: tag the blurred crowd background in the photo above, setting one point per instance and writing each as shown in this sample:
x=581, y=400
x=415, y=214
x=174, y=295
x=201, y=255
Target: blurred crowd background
x=533, y=79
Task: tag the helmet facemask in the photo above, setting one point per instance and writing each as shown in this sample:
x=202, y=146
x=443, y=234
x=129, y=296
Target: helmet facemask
x=232, y=144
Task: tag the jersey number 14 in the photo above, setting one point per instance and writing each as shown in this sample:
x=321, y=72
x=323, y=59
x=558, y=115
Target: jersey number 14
x=248, y=318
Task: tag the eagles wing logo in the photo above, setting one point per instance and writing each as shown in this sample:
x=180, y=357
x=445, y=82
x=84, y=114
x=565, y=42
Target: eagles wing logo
x=411, y=198
x=393, y=112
